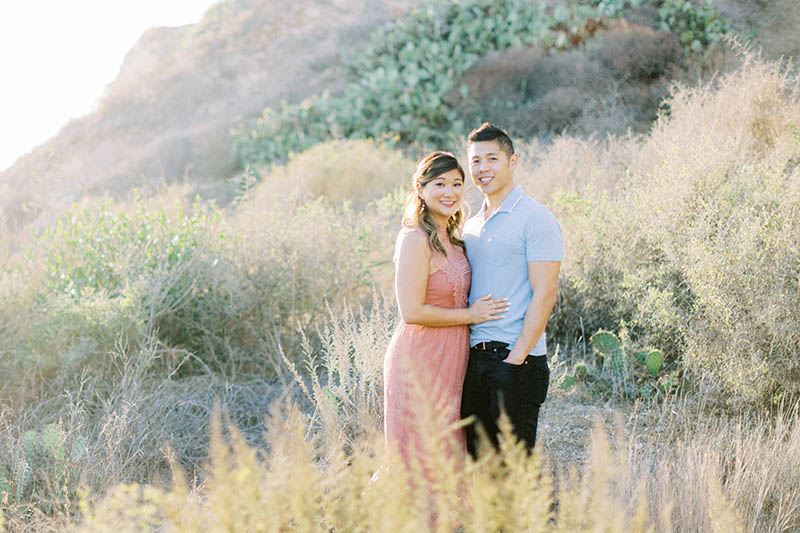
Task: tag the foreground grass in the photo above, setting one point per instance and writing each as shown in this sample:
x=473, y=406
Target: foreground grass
x=731, y=475
x=677, y=466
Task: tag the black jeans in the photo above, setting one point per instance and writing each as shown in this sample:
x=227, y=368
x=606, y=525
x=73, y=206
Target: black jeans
x=492, y=386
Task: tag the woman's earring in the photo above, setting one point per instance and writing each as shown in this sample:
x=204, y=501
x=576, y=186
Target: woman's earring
x=422, y=205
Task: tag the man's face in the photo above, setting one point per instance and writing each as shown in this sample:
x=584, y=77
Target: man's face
x=491, y=169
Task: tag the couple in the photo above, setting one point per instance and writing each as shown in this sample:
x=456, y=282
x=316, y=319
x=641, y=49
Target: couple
x=474, y=299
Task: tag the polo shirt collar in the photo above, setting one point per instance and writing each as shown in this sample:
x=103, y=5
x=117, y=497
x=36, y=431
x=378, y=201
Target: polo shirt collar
x=508, y=205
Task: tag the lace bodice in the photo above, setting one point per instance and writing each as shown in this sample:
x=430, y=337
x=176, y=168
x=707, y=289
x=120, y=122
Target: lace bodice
x=448, y=284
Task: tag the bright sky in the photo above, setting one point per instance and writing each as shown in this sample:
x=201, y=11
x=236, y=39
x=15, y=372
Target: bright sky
x=57, y=56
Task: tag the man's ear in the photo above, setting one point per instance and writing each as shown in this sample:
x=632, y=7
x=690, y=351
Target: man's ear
x=512, y=162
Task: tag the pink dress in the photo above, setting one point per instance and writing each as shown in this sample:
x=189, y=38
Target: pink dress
x=423, y=369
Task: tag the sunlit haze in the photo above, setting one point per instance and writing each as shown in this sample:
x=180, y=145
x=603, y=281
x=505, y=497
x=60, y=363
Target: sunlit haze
x=57, y=57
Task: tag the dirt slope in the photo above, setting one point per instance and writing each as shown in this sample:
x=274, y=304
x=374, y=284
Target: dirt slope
x=169, y=113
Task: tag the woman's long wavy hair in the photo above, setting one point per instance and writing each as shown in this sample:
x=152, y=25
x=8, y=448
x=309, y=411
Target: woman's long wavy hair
x=417, y=214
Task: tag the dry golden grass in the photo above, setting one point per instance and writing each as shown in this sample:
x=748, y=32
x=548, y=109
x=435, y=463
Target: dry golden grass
x=357, y=172
x=724, y=484
x=673, y=467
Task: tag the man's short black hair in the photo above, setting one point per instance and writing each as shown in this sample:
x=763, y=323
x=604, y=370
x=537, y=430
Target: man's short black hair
x=487, y=132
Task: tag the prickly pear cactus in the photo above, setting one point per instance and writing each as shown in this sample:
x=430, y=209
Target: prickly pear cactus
x=53, y=442
x=641, y=356
x=46, y=462
x=654, y=361
x=609, y=345
x=581, y=372
x=29, y=444
x=605, y=342
x=5, y=486
x=621, y=370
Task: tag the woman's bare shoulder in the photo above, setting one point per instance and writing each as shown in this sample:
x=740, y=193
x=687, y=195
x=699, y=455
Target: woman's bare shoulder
x=411, y=239
x=411, y=232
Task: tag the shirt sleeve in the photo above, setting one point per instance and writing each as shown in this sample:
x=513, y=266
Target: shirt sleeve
x=543, y=238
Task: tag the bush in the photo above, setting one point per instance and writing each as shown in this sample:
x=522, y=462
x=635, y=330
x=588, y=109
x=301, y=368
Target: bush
x=293, y=262
x=344, y=381
x=401, y=88
x=104, y=247
x=129, y=357
x=699, y=28
x=104, y=275
x=744, y=267
x=356, y=172
x=614, y=86
x=686, y=236
x=398, y=86
x=232, y=295
x=121, y=427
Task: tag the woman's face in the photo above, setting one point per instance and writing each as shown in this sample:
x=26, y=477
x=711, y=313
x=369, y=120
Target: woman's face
x=443, y=195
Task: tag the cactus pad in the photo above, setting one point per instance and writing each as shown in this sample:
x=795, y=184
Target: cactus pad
x=641, y=356
x=654, y=361
x=53, y=440
x=29, y=440
x=605, y=342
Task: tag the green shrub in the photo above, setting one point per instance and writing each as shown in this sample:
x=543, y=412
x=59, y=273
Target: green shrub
x=105, y=247
x=292, y=262
x=67, y=341
x=615, y=8
x=398, y=86
x=614, y=86
x=744, y=266
x=402, y=88
x=687, y=235
x=699, y=28
x=232, y=296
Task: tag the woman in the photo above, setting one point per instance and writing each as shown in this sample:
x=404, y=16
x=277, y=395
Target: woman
x=426, y=359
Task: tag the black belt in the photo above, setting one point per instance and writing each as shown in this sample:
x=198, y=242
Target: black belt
x=490, y=346
x=493, y=346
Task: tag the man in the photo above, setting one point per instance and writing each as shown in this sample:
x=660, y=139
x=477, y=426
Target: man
x=515, y=248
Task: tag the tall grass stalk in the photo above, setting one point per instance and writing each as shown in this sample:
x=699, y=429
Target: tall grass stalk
x=675, y=467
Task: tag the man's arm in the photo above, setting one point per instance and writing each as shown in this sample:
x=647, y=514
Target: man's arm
x=543, y=276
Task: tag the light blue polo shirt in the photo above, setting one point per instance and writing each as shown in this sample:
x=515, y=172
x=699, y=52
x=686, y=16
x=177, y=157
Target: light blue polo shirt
x=499, y=249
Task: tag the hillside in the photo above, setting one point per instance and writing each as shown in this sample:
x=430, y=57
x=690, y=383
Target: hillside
x=169, y=113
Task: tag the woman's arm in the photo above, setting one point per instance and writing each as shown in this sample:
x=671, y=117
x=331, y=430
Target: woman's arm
x=411, y=283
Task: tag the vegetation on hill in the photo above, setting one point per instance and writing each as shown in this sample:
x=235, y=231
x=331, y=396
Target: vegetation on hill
x=404, y=86
x=685, y=238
